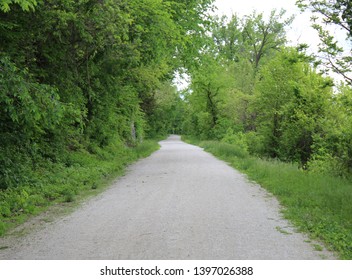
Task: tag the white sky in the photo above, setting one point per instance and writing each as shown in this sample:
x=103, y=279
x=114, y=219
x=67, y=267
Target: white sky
x=247, y=6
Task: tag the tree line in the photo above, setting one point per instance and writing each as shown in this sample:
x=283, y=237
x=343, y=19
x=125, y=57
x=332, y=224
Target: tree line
x=251, y=89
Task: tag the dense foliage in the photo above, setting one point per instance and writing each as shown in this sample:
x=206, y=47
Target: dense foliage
x=82, y=74
x=252, y=90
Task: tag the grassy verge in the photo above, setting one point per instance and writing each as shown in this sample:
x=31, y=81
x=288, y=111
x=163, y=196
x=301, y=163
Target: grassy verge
x=317, y=204
x=80, y=175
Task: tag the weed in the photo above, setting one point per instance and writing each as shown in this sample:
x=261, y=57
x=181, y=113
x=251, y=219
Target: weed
x=281, y=230
x=2, y=228
x=69, y=195
x=318, y=247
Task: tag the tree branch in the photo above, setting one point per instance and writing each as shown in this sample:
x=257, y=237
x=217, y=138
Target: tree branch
x=340, y=23
x=348, y=79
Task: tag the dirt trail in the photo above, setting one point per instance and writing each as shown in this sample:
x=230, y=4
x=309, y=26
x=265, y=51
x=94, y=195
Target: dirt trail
x=180, y=203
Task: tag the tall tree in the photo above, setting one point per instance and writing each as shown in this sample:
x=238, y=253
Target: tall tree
x=227, y=36
x=210, y=84
x=292, y=101
x=263, y=37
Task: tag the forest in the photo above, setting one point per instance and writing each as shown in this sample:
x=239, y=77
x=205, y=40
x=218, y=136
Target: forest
x=79, y=74
x=82, y=90
x=88, y=82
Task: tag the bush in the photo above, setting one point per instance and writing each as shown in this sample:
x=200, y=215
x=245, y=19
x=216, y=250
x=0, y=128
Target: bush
x=237, y=139
x=327, y=164
x=255, y=143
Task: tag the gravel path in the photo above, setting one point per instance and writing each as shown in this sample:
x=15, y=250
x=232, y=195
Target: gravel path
x=180, y=203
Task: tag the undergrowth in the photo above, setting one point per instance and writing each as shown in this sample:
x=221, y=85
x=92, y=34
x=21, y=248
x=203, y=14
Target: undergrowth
x=61, y=182
x=318, y=204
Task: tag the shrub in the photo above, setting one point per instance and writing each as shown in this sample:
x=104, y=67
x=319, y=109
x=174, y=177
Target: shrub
x=255, y=143
x=238, y=139
x=327, y=164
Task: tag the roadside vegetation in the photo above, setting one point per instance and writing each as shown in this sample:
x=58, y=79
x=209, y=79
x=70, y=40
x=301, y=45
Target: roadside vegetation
x=317, y=204
x=273, y=111
x=83, y=84
x=80, y=174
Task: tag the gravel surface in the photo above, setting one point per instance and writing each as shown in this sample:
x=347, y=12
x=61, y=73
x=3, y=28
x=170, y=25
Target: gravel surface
x=179, y=203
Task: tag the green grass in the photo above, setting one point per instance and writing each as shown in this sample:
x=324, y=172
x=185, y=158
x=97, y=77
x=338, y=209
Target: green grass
x=81, y=174
x=318, y=204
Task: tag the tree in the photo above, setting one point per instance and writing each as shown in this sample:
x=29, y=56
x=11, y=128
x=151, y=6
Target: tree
x=252, y=37
x=292, y=102
x=261, y=37
x=30, y=114
x=193, y=19
x=333, y=146
x=227, y=36
x=168, y=114
x=244, y=45
x=208, y=92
